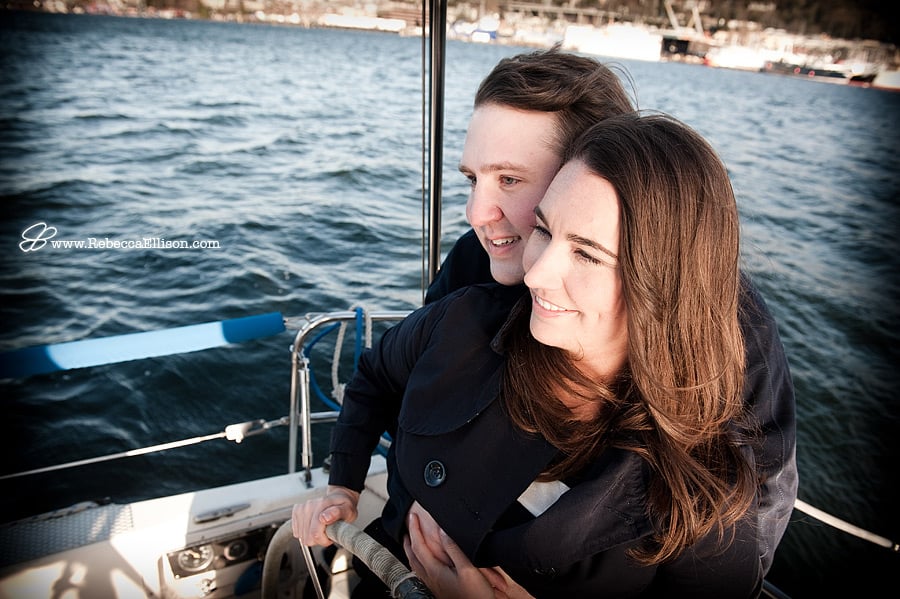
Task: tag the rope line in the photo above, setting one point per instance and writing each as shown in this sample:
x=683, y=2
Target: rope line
x=307, y=351
x=363, y=335
x=337, y=388
x=397, y=577
x=845, y=526
x=233, y=432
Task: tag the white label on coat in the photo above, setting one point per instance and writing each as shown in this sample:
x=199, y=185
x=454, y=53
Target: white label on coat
x=538, y=497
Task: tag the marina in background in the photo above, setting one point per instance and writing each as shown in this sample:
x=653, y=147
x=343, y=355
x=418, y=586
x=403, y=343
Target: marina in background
x=683, y=34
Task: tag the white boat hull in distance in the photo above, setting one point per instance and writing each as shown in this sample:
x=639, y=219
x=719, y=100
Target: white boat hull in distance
x=887, y=79
x=614, y=41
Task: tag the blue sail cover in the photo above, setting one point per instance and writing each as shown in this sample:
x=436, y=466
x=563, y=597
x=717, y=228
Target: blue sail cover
x=42, y=359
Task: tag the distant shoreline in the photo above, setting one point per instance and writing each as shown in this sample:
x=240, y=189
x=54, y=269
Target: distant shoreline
x=868, y=64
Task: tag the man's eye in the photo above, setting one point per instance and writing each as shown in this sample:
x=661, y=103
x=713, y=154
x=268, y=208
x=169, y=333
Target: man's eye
x=541, y=231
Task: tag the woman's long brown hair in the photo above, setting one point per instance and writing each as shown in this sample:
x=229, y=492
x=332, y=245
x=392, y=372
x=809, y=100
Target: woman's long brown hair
x=678, y=401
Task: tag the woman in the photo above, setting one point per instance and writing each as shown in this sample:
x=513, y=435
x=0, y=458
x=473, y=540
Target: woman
x=592, y=441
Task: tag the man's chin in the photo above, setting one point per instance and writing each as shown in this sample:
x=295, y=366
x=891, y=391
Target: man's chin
x=507, y=274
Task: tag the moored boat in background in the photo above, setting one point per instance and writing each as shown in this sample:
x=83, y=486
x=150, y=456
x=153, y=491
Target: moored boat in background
x=829, y=73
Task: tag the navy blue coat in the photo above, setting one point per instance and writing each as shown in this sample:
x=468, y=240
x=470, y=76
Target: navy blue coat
x=432, y=381
x=768, y=390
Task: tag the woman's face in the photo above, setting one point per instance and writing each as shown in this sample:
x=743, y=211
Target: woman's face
x=572, y=270
x=508, y=159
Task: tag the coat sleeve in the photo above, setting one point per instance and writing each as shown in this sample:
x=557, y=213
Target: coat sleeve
x=374, y=394
x=708, y=571
x=769, y=392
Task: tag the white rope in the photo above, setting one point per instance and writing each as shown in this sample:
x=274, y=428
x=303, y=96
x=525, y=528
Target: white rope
x=397, y=577
x=367, y=321
x=845, y=526
x=233, y=432
x=337, y=386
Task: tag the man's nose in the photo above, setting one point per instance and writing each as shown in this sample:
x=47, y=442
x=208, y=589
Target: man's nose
x=482, y=209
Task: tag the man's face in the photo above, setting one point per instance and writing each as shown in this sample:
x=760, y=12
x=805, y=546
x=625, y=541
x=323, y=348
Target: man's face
x=509, y=160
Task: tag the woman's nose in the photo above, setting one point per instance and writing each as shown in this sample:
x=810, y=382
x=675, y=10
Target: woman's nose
x=546, y=268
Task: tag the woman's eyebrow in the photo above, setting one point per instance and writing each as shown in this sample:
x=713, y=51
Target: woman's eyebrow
x=577, y=238
x=591, y=244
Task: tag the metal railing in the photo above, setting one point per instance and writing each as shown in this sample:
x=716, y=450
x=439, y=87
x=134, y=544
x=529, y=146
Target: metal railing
x=300, y=415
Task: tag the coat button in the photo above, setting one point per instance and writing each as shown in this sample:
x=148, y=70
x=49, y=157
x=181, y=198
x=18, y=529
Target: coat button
x=435, y=473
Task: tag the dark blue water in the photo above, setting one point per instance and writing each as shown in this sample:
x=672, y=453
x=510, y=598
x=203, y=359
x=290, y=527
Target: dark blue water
x=298, y=152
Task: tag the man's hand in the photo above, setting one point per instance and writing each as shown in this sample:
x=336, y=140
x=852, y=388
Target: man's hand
x=309, y=519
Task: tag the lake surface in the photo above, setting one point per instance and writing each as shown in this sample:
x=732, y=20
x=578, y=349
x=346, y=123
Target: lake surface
x=298, y=153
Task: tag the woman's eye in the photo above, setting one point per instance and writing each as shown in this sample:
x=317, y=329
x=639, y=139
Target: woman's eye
x=588, y=258
x=581, y=255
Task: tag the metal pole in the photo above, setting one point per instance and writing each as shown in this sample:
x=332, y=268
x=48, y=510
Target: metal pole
x=438, y=37
x=305, y=422
x=294, y=407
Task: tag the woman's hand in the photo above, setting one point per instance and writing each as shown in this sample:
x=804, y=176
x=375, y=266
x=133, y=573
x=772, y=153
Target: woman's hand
x=309, y=519
x=445, y=569
x=430, y=533
x=504, y=586
x=428, y=557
